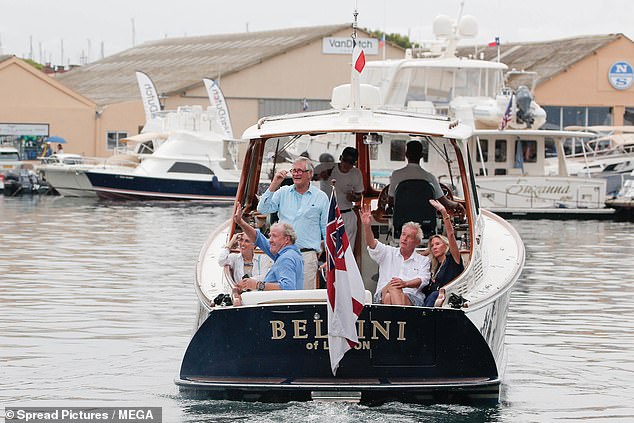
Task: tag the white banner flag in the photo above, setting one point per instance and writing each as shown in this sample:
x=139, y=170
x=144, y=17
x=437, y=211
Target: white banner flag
x=150, y=98
x=217, y=100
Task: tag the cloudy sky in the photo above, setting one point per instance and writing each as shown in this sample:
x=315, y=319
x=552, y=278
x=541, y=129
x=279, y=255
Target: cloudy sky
x=82, y=26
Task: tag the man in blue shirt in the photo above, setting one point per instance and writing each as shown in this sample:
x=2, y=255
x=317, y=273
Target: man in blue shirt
x=287, y=271
x=303, y=206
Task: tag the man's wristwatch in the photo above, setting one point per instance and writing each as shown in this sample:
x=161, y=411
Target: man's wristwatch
x=260, y=286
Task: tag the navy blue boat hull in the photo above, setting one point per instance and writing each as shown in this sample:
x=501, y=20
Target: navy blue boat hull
x=280, y=353
x=127, y=187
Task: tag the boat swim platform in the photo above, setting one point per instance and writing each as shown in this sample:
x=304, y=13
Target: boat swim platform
x=371, y=391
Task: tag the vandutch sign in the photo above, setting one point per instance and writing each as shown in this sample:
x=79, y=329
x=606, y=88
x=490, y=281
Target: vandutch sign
x=343, y=45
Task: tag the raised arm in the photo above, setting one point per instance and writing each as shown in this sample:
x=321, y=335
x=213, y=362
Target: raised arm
x=453, y=245
x=248, y=230
x=366, y=220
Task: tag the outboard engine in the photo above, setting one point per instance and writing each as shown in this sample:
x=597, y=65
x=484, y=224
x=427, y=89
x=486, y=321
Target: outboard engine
x=524, y=99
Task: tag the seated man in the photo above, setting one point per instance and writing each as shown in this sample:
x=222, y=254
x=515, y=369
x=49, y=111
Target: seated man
x=287, y=271
x=413, y=170
x=401, y=270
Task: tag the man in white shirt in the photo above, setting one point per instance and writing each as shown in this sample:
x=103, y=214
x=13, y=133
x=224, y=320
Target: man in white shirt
x=349, y=188
x=401, y=269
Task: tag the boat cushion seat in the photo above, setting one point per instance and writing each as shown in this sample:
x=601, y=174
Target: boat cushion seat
x=291, y=296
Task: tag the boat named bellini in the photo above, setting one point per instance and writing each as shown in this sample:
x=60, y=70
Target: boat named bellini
x=273, y=346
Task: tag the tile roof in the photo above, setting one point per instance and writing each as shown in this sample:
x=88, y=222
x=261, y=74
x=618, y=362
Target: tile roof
x=175, y=64
x=546, y=58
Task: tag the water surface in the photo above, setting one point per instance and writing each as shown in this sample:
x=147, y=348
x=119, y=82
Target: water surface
x=97, y=306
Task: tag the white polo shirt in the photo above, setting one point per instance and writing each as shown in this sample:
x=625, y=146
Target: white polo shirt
x=392, y=264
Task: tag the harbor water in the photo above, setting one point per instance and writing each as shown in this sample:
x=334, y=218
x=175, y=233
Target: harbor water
x=97, y=306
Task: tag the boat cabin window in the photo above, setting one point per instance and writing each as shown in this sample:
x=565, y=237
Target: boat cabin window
x=185, y=167
x=500, y=151
x=484, y=146
x=525, y=151
x=550, y=147
x=146, y=148
x=374, y=151
x=441, y=85
x=9, y=155
x=397, y=150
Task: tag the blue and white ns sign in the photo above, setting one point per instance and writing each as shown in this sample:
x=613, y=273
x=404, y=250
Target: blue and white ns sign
x=621, y=75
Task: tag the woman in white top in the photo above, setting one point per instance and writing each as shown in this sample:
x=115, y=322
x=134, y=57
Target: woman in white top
x=245, y=263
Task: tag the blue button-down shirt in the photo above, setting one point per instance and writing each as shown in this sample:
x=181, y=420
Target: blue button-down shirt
x=308, y=212
x=288, y=264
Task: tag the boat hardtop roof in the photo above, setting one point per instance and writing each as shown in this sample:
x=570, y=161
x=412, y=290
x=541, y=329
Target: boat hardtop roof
x=359, y=120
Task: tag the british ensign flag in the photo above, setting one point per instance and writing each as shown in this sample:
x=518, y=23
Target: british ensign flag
x=346, y=291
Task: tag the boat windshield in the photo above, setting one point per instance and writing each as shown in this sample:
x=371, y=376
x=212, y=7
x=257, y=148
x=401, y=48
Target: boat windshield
x=440, y=85
x=379, y=155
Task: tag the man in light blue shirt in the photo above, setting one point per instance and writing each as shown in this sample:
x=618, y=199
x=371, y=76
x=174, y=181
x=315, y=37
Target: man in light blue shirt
x=287, y=271
x=303, y=206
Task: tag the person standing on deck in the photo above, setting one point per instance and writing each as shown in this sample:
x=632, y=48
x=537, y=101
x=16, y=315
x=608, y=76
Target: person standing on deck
x=305, y=207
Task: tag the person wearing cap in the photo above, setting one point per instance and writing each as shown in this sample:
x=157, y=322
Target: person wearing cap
x=349, y=188
x=413, y=170
x=323, y=170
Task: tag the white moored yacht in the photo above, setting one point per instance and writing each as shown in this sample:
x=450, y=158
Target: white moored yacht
x=512, y=174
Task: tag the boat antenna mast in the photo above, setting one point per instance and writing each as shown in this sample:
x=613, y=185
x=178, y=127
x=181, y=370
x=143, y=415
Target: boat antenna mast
x=355, y=94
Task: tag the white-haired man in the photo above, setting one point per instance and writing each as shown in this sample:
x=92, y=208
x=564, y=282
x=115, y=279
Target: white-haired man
x=287, y=271
x=401, y=269
x=305, y=207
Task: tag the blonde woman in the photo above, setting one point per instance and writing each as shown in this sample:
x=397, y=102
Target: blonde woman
x=446, y=262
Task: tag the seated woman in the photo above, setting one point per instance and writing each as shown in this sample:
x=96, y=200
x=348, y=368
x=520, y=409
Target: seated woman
x=446, y=262
x=245, y=263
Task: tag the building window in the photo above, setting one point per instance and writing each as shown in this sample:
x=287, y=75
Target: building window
x=574, y=116
x=599, y=116
x=397, y=151
x=553, y=117
x=113, y=139
x=185, y=167
x=628, y=116
x=558, y=117
x=500, y=151
x=484, y=146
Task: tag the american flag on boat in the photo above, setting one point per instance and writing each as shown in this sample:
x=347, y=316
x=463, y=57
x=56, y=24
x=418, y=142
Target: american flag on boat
x=345, y=288
x=506, y=118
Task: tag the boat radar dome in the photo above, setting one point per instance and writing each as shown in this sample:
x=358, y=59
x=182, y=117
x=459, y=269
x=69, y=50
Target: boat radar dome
x=468, y=26
x=370, y=96
x=443, y=26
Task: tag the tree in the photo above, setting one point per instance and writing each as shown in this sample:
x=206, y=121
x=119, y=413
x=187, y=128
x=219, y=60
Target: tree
x=33, y=63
